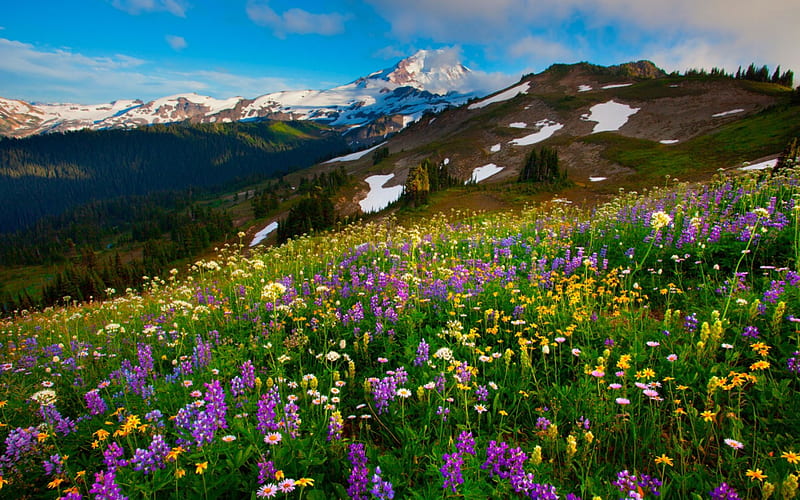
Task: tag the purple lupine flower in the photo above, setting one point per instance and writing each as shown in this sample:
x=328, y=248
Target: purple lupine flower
x=19, y=443
x=63, y=425
x=482, y=393
x=690, y=322
x=625, y=482
x=155, y=417
x=723, y=492
x=105, y=486
x=335, y=426
x=775, y=291
x=443, y=412
x=463, y=373
x=153, y=457
x=72, y=495
x=291, y=420
x=423, y=353
x=266, y=471
x=215, y=403
x=95, y=403
x=359, y=473
x=750, y=331
x=542, y=423
x=144, y=352
x=793, y=363
x=465, y=444
x=647, y=482
x=439, y=380
x=237, y=386
x=54, y=465
x=451, y=471
x=112, y=456
x=248, y=373
x=266, y=415
x=381, y=489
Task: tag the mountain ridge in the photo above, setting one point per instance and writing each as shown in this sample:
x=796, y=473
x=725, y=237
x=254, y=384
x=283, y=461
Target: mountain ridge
x=427, y=81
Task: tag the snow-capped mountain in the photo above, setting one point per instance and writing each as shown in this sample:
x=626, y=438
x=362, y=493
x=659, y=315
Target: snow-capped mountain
x=427, y=81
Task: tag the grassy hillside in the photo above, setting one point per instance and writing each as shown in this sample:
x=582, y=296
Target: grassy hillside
x=647, y=346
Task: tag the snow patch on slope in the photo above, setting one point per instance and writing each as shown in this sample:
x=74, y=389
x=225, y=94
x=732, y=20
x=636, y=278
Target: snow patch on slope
x=609, y=116
x=484, y=172
x=548, y=128
x=502, y=96
x=379, y=197
x=354, y=156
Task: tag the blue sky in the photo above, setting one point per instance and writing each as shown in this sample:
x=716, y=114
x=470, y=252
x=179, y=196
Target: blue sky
x=93, y=51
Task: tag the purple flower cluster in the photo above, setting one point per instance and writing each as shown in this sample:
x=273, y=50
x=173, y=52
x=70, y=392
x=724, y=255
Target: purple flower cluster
x=723, y=492
x=453, y=462
x=20, y=443
x=153, y=457
x=381, y=489
x=54, y=465
x=384, y=390
x=793, y=363
x=95, y=402
x=628, y=483
x=750, y=331
x=451, y=471
x=266, y=415
x=359, y=472
x=105, y=486
x=423, y=353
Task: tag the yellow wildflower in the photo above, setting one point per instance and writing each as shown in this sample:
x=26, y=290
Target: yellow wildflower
x=663, y=459
x=760, y=365
x=180, y=473
x=200, y=467
x=757, y=474
x=708, y=415
x=42, y=436
x=3, y=482
x=304, y=481
x=791, y=457
x=55, y=483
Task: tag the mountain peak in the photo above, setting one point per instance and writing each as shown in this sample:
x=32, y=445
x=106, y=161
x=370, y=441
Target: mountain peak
x=437, y=71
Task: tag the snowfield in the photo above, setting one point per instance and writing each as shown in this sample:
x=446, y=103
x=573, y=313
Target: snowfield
x=761, y=166
x=259, y=236
x=726, y=113
x=495, y=148
x=518, y=125
x=584, y=88
x=502, y=96
x=548, y=128
x=484, y=172
x=609, y=116
x=669, y=141
x=354, y=156
x=379, y=197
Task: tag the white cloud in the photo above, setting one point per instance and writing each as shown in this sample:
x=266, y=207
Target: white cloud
x=726, y=32
x=176, y=42
x=295, y=21
x=34, y=74
x=136, y=7
x=537, y=47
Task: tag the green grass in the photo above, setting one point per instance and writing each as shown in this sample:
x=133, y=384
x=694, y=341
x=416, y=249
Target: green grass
x=745, y=140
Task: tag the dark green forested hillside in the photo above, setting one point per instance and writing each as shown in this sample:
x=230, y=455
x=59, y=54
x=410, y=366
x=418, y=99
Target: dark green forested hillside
x=44, y=175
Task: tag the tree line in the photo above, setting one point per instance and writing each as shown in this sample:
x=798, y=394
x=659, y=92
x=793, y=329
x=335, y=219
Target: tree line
x=752, y=73
x=47, y=174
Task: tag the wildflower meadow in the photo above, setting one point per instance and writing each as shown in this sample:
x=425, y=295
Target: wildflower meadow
x=646, y=347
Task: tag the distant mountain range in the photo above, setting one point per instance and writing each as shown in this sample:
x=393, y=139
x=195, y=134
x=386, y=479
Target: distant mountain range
x=396, y=96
